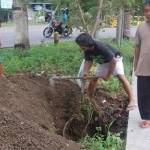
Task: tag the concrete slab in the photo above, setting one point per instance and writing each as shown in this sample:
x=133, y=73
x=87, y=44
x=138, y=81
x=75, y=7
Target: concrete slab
x=137, y=138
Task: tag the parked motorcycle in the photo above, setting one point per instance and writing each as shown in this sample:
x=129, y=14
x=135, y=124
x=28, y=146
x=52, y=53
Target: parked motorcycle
x=56, y=26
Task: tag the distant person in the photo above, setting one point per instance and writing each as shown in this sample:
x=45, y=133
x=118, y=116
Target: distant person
x=109, y=62
x=48, y=16
x=142, y=66
x=65, y=15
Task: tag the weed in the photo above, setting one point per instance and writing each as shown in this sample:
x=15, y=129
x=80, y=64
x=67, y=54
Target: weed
x=98, y=142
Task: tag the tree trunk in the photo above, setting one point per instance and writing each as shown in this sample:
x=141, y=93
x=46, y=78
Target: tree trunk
x=54, y=12
x=127, y=24
x=82, y=16
x=120, y=24
x=98, y=18
x=21, y=20
x=0, y=35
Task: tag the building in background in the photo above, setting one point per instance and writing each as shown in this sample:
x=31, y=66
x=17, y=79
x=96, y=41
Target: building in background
x=37, y=11
x=6, y=4
x=40, y=11
x=5, y=10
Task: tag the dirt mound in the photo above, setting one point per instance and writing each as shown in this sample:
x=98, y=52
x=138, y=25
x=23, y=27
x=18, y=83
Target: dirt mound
x=17, y=134
x=35, y=111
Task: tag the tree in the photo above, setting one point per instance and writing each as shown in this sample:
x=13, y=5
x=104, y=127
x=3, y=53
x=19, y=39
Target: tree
x=98, y=18
x=127, y=23
x=124, y=18
x=86, y=14
x=21, y=20
x=82, y=15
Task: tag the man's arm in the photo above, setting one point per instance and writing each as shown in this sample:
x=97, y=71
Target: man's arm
x=87, y=67
x=136, y=56
x=137, y=48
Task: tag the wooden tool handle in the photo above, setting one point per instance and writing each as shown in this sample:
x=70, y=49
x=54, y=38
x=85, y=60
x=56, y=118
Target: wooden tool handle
x=71, y=77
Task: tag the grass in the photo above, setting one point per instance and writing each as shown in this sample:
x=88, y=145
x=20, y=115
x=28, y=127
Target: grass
x=111, y=141
x=63, y=58
x=97, y=142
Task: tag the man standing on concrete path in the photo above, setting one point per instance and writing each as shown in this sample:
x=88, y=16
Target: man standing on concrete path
x=142, y=66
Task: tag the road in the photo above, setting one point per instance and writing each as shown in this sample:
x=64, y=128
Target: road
x=7, y=35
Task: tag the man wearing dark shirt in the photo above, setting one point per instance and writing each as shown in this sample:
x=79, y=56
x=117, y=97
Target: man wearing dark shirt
x=101, y=53
x=109, y=62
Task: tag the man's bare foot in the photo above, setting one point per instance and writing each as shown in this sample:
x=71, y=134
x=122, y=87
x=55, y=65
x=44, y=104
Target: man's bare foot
x=145, y=124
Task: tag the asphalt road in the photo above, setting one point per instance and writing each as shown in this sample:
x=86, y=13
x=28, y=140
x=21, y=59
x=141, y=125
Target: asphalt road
x=7, y=35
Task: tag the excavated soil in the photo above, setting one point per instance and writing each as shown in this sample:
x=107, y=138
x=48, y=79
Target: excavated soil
x=32, y=112
x=36, y=115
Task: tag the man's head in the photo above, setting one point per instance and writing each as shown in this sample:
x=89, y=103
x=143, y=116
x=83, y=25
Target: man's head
x=85, y=41
x=147, y=10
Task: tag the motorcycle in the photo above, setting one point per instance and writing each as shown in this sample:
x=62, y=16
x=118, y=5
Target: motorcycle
x=56, y=26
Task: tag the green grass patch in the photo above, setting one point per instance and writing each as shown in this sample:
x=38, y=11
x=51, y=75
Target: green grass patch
x=63, y=58
x=97, y=142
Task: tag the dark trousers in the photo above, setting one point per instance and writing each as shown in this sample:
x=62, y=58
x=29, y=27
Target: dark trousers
x=143, y=91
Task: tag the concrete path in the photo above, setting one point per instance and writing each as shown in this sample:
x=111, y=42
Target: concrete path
x=137, y=138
